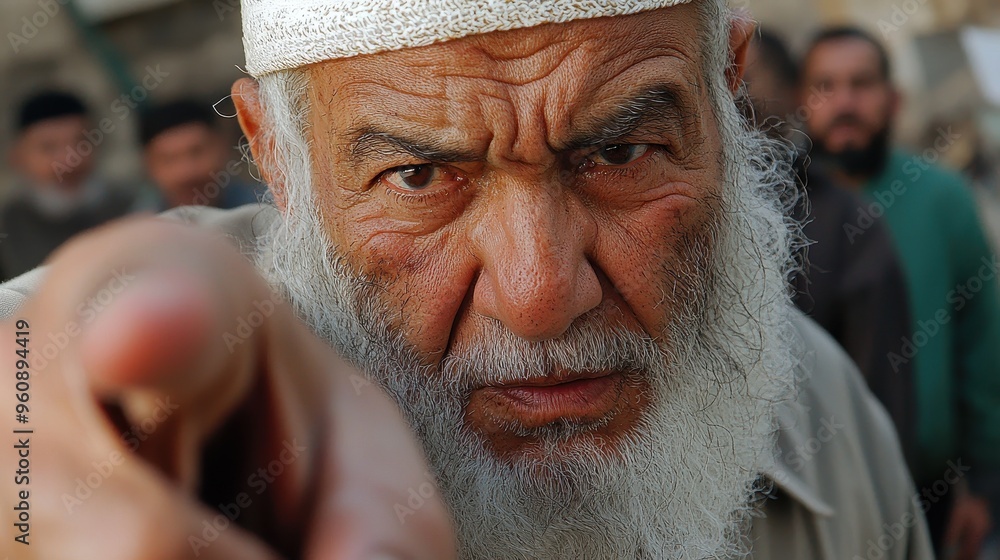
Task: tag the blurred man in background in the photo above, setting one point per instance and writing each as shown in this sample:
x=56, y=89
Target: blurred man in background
x=58, y=195
x=188, y=160
x=854, y=288
x=951, y=273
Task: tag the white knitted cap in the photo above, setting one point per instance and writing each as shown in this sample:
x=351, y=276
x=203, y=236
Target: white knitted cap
x=284, y=34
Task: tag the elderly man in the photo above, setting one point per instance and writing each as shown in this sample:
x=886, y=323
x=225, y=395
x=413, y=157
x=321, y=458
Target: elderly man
x=545, y=231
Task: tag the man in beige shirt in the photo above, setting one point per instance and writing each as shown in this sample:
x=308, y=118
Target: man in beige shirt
x=544, y=230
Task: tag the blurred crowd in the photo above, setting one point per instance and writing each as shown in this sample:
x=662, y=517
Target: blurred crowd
x=901, y=268
x=59, y=193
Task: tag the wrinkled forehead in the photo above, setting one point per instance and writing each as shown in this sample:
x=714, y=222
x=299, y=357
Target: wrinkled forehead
x=557, y=73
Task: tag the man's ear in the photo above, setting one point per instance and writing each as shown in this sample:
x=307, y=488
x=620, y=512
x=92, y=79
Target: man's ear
x=250, y=113
x=741, y=30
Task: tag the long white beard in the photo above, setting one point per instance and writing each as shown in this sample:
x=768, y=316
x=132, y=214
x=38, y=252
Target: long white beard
x=680, y=484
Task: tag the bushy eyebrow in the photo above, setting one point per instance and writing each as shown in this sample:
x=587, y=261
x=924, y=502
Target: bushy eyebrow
x=372, y=143
x=658, y=108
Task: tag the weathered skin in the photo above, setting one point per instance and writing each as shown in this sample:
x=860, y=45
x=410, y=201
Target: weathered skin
x=525, y=231
x=517, y=222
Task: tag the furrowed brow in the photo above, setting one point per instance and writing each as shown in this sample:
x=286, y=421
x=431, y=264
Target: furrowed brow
x=659, y=107
x=374, y=144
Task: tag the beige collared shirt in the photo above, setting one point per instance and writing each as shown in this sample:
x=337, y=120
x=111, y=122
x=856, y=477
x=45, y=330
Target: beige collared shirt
x=841, y=489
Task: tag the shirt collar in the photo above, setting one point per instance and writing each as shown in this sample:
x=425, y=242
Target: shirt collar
x=798, y=478
x=791, y=483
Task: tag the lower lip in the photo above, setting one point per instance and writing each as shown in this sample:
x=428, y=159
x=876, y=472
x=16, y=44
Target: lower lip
x=536, y=406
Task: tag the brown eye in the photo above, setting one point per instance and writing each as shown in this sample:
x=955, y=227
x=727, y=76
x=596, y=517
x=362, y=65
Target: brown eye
x=413, y=178
x=422, y=178
x=620, y=154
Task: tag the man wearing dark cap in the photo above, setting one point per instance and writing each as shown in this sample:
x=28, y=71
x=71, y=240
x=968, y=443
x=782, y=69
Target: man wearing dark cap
x=58, y=195
x=188, y=160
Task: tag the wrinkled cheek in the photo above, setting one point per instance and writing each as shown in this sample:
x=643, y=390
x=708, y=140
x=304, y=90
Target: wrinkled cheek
x=656, y=254
x=422, y=282
x=429, y=314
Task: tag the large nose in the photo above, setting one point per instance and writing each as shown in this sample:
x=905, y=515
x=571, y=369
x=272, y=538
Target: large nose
x=536, y=277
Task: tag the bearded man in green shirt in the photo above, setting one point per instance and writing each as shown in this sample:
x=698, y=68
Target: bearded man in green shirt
x=954, y=347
